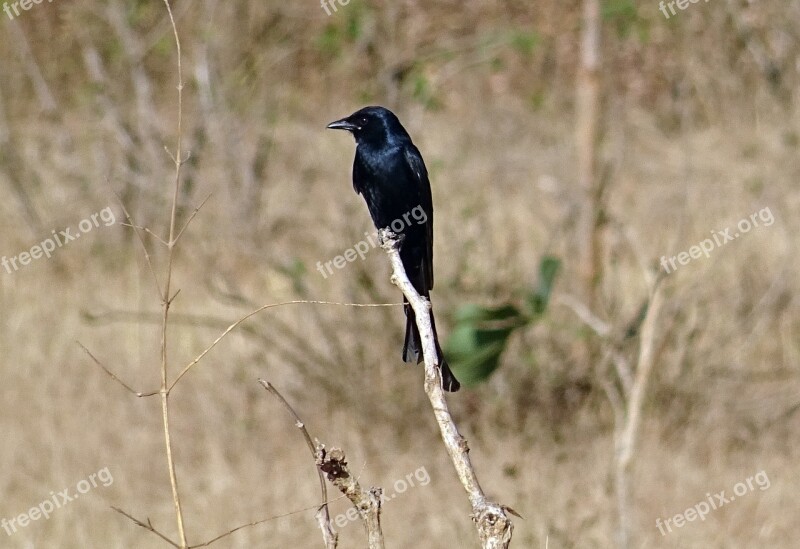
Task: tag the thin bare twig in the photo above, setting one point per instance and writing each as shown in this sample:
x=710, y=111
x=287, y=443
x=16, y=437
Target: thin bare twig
x=494, y=527
x=583, y=312
x=146, y=525
x=256, y=523
x=227, y=331
x=626, y=431
x=642, y=375
x=329, y=536
x=144, y=247
x=149, y=526
x=191, y=216
x=113, y=376
x=146, y=230
x=604, y=331
x=230, y=328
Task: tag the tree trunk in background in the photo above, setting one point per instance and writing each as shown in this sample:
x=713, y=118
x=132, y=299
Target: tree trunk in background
x=591, y=187
x=588, y=137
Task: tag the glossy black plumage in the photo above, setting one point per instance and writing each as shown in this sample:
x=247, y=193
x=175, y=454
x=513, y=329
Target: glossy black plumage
x=389, y=172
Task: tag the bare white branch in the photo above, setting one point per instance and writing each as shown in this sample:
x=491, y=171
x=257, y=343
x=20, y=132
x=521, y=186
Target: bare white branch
x=494, y=526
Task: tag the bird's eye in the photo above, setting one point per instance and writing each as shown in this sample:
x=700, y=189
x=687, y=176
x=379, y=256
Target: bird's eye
x=362, y=121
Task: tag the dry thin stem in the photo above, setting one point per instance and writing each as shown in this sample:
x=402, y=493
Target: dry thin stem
x=627, y=403
x=156, y=317
x=583, y=312
x=329, y=536
x=230, y=328
x=604, y=331
x=146, y=525
x=144, y=248
x=146, y=230
x=643, y=368
x=494, y=526
x=256, y=523
x=166, y=302
x=243, y=526
x=113, y=376
x=367, y=502
x=189, y=219
x=626, y=433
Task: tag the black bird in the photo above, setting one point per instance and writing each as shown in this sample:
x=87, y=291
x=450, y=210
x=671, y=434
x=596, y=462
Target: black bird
x=389, y=172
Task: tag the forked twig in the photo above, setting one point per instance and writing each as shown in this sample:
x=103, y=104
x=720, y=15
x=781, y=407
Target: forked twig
x=330, y=537
x=367, y=502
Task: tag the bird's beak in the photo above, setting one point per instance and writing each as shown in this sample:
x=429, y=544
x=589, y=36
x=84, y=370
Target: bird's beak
x=343, y=124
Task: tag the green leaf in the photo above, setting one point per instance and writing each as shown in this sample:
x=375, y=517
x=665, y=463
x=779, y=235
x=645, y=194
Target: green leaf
x=477, y=313
x=474, y=353
x=354, y=25
x=625, y=17
x=524, y=41
x=481, y=333
x=330, y=41
x=423, y=91
x=538, y=299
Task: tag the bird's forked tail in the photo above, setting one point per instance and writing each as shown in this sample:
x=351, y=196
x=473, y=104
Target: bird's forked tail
x=412, y=350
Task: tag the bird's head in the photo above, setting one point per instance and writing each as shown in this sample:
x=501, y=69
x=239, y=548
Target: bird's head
x=376, y=125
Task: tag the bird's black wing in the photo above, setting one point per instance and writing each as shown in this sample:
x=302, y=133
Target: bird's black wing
x=359, y=176
x=420, y=176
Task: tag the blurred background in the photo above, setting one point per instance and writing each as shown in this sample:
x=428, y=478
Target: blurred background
x=687, y=125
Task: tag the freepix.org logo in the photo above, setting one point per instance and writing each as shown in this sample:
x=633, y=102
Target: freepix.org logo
x=329, y=5
x=721, y=238
x=712, y=502
x=681, y=4
x=57, y=500
x=24, y=4
x=361, y=248
x=419, y=477
x=58, y=239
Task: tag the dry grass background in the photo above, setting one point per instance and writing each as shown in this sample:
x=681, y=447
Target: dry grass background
x=701, y=130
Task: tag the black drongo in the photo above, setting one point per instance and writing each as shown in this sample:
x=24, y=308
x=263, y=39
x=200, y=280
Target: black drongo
x=388, y=171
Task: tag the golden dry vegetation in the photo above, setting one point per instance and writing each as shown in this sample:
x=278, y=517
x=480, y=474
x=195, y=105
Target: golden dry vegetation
x=699, y=130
